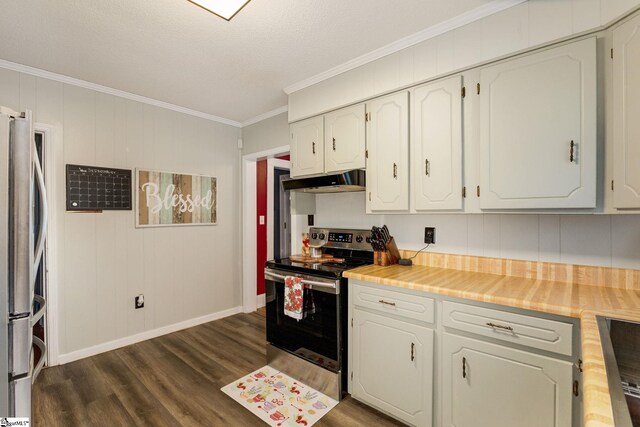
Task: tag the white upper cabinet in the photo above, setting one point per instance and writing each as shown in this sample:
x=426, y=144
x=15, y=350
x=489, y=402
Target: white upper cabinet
x=538, y=130
x=344, y=140
x=388, y=145
x=307, y=151
x=626, y=114
x=436, y=145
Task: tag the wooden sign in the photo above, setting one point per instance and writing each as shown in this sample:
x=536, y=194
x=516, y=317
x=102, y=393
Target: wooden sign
x=167, y=199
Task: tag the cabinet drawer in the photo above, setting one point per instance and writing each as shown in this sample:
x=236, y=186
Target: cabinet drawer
x=534, y=332
x=387, y=301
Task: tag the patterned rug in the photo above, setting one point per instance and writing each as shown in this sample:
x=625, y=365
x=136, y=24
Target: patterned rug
x=278, y=399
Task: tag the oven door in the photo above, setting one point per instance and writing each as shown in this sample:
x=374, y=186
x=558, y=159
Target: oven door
x=316, y=337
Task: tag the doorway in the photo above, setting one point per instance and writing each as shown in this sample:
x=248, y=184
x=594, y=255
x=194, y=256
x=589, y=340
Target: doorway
x=273, y=217
x=250, y=219
x=281, y=215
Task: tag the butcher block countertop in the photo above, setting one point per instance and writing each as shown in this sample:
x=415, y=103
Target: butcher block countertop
x=578, y=300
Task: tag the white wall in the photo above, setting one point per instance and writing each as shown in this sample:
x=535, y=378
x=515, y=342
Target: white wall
x=267, y=134
x=518, y=28
x=600, y=240
x=104, y=261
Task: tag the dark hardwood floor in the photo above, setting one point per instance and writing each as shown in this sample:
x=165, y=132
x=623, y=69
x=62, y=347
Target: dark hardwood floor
x=171, y=380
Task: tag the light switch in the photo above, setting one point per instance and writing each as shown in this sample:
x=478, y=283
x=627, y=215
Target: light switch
x=261, y=219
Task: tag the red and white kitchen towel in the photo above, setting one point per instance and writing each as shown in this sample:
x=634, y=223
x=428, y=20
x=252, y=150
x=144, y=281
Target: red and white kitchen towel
x=293, y=297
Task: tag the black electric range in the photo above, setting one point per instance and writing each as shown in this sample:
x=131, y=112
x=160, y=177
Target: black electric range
x=314, y=349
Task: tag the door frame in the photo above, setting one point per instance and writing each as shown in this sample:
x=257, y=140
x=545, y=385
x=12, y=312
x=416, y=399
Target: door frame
x=272, y=163
x=53, y=175
x=249, y=221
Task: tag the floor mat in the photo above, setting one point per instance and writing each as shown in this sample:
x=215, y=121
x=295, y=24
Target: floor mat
x=279, y=400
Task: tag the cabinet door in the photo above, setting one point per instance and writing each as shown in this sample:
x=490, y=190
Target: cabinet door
x=388, y=145
x=436, y=145
x=344, y=141
x=393, y=366
x=487, y=385
x=538, y=130
x=307, y=151
x=626, y=114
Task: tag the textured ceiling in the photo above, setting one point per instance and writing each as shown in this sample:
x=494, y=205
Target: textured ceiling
x=174, y=51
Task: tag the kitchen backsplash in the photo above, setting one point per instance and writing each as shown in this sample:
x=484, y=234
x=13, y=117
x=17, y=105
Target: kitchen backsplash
x=598, y=240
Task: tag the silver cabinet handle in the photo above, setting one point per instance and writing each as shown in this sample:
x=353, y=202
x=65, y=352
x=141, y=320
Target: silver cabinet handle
x=506, y=328
x=334, y=144
x=395, y=171
x=571, y=151
x=313, y=147
x=427, y=167
x=387, y=303
x=413, y=355
x=464, y=367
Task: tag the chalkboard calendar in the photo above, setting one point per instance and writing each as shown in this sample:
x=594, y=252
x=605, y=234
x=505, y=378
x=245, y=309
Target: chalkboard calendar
x=91, y=188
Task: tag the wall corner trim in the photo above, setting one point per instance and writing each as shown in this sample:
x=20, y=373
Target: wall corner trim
x=37, y=72
x=265, y=116
x=458, y=21
x=143, y=336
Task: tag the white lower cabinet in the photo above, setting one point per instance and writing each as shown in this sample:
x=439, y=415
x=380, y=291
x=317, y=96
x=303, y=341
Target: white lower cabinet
x=427, y=360
x=393, y=366
x=488, y=385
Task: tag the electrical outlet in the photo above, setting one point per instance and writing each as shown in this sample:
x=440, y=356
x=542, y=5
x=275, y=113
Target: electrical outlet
x=139, y=301
x=430, y=235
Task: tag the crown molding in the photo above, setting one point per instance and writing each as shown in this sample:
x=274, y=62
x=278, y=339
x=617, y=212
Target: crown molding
x=115, y=92
x=265, y=116
x=426, y=34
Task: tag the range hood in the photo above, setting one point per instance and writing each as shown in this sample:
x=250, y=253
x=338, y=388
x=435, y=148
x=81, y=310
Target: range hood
x=338, y=183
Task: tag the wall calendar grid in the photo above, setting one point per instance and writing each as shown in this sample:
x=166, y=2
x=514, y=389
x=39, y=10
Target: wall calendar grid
x=91, y=188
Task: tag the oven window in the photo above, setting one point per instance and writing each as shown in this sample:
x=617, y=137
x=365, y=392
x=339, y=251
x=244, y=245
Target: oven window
x=315, y=337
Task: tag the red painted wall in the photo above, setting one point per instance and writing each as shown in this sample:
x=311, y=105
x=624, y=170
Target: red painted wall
x=285, y=157
x=261, y=207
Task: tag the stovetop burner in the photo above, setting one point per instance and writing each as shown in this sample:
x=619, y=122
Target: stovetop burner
x=351, y=245
x=328, y=269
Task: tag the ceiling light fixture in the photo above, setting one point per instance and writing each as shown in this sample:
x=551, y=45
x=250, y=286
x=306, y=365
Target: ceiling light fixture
x=225, y=9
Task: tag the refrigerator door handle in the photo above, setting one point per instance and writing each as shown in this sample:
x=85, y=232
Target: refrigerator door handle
x=20, y=397
x=42, y=233
x=20, y=343
x=21, y=280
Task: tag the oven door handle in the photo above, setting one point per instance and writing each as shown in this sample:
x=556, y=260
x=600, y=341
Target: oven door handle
x=276, y=276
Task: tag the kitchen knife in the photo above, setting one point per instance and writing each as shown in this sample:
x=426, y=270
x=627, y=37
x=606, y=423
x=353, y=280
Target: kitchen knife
x=385, y=232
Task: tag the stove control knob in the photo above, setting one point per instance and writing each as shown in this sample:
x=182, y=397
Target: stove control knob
x=359, y=238
x=321, y=236
x=314, y=236
x=368, y=239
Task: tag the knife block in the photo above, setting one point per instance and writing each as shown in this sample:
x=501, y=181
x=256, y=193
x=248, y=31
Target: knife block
x=389, y=256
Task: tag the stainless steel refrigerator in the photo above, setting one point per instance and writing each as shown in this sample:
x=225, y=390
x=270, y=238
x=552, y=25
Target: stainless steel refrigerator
x=23, y=224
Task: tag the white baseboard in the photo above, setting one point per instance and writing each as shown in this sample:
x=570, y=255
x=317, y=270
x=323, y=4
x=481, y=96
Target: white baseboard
x=143, y=336
x=261, y=300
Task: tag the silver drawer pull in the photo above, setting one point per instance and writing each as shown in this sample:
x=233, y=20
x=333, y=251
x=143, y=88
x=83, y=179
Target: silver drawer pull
x=387, y=303
x=506, y=328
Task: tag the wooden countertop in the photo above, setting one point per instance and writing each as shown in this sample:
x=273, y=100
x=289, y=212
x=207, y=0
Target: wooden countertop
x=567, y=299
